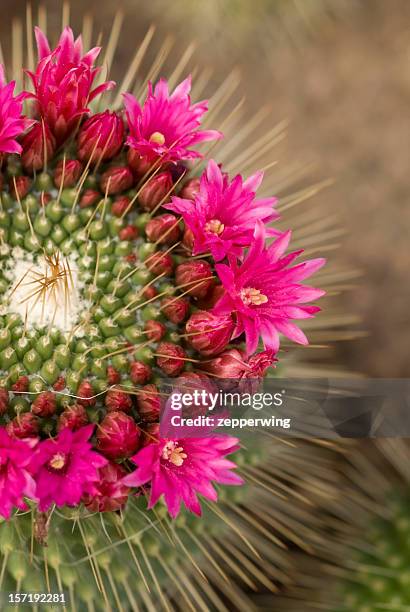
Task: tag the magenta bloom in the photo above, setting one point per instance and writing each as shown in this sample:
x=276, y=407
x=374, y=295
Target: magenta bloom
x=265, y=293
x=66, y=468
x=167, y=126
x=16, y=481
x=12, y=123
x=223, y=214
x=180, y=469
x=63, y=82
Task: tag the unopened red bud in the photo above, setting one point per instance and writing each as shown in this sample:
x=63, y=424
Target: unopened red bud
x=25, y=425
x=229, y=364
x=113, y=376
x=155, y=330
x=195, y=277
x=149, y=403
x=118, y=400
x=129, y=233
x=4, y=401
x=140, y=165
x=21, y=385
x=163, y=229
x=35, y=150
x=175, y=309
x=72, y=418
x=20, y=186
x=208, y=333
x=100, y=137
x=120, y=206
x=171, y=359
x=89, y=198
x=151, y=434
x=149, y=292
x=188, y=240
x=211, y=298
x=110, y=494
x=140, y=372
x=160, y=263
x=67, y=173
x=116, y=179
x=118, y=436
x=85, y=394
x=190, y=189
x=44, y=405
x=155, y=191
x=60, y=384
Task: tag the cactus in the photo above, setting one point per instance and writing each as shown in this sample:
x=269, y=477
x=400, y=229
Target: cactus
x=105, y=292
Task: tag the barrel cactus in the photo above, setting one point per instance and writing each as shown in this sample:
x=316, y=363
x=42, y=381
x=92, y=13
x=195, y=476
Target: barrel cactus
x=127, y=258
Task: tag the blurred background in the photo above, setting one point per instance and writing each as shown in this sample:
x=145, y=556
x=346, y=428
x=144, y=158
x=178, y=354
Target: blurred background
x=339, y=72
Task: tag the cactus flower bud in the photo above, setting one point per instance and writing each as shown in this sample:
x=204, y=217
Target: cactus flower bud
x=85, y=394
x=188, y=240
x=110, y=494
x=116, y=179
x=21, y=385
x=140, y=372
x=4, y=401
x=149, y=403
x=67, y=173
x=100, y=137
x=118, y=401
x=44, y=405
x=175, y=309
x=160, y=263
x=189, y=275
x=151, y=434
x=163, y=229
x=20, y=186
x=171, y=358
x=155, y=191
x=120, y=206
x=113, y=376
x=155, y=330
x=25, y=425
x=229, y=364
x=190, y=189
x=73, y=417
x=118, y=436
x=129, y=233
x=140, y=165
x=89, y=198
x=208, y=333
x=34, y=148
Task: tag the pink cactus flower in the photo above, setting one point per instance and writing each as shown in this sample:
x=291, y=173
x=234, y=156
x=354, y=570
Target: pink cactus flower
x=167, y=125
x=16, y=481
x=63, y=83
x=66, y=468
x=181, y=469
x=223, y=214
x=12, y=123
x=265, y=293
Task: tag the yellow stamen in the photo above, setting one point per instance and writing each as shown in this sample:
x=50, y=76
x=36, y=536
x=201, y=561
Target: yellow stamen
x=57, y=462
x=173, y=453
x=253, y=297
x=157, y=137
x=214, y=226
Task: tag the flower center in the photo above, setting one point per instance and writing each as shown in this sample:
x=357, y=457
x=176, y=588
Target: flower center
x=214, y=226
x=173, y=453
x=58, y=462
x=253, y=297
x=157, y=137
